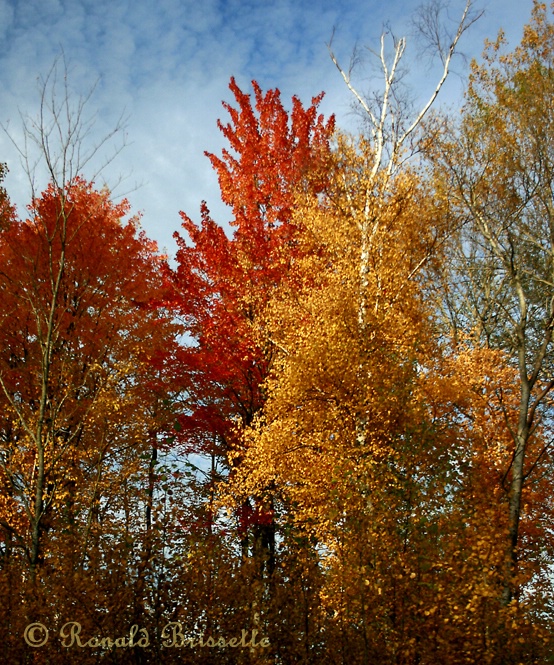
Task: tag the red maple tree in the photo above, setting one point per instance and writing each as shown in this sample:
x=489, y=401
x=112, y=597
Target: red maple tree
x=222, y=284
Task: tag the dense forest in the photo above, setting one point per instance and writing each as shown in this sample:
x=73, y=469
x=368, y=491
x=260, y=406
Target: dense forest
x=324, y=436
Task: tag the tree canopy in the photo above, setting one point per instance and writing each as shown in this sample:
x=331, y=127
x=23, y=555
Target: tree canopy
x=323, y=432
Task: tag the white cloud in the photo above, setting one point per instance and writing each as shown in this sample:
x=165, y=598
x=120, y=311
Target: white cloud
x=169, y=63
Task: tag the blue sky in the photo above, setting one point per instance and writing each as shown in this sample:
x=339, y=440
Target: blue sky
x=167, y=65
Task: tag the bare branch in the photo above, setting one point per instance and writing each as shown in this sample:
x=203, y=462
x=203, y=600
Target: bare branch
x=61, y=138
x=466, y=22
x=389, y=110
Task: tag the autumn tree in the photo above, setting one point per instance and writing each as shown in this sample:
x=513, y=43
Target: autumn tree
x=349, y=493
x=494, y=171
x=394, y=127
x=387, y=443
x=76, y=283
x=405, y=523
x=222, y=284
x=56, y=142
x=82, y=393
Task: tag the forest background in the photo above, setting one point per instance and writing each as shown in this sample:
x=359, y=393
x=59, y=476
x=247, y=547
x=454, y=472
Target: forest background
x=325, y=432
